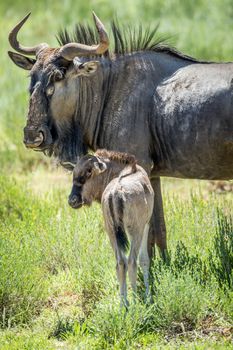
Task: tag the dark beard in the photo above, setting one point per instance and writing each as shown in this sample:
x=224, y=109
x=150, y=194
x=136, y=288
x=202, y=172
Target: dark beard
x=68, y=147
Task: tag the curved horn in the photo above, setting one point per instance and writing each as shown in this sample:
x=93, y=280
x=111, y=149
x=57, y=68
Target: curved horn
x=17, y=46
x=71, y=50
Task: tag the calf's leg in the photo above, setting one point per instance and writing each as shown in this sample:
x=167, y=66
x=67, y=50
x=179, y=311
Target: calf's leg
x=136, y=234
x=144, y=259
x=121, y=261
x=121, y=269
x=132, y=271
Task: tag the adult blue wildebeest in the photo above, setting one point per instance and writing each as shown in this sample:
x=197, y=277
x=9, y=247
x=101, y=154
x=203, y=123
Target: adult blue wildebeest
x=173, y=112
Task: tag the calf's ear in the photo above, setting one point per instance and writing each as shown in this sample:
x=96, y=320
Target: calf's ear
x=86, y=68
x=21, y=61
x=99, y=167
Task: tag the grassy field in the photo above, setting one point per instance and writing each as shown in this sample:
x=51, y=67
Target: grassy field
x=57, y=272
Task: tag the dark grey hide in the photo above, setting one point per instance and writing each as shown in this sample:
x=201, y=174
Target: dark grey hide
x=176, y=116
x=173, y=113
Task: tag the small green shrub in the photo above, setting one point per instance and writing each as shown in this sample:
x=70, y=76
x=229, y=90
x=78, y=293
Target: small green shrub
x=221, y=258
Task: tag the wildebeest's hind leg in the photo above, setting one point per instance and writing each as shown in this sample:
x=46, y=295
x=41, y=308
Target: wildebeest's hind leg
x=157, y=232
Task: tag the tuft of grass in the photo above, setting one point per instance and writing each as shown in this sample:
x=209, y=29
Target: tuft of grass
x=22, y=283
x=221, y=260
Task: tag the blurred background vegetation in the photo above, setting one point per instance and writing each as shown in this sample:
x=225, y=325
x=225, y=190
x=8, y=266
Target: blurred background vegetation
x=57, y=277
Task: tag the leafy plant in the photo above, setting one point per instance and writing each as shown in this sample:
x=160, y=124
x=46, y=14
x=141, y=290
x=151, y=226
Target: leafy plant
x=221, y=259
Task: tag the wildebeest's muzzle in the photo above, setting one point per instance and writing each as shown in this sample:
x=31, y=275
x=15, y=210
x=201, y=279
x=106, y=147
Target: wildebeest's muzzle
x=38, y=138
x=37, y=133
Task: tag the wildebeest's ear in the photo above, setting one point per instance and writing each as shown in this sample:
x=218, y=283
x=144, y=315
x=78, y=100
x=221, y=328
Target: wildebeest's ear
x=68, y=165
x=99, y=167
x=86, y=68
x=22, y=61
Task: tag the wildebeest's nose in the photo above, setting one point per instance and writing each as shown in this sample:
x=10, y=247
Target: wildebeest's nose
x=33, y=138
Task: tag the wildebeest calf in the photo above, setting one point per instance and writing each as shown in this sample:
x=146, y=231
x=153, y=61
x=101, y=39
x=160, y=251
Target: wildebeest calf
x=127, y=199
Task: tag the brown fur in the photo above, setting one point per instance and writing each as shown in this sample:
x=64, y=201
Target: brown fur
x=47, y=53
x=119, y=157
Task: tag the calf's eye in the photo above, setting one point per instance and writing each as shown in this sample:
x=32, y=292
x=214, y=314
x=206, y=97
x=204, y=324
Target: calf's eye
x=81, y=180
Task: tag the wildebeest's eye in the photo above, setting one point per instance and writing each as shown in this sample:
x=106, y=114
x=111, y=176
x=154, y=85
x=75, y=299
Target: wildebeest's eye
x=50, y=90
x=58, y=75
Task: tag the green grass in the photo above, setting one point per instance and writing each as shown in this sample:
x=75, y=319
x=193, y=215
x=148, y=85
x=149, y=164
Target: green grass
x=58, y=275
x=57, y=272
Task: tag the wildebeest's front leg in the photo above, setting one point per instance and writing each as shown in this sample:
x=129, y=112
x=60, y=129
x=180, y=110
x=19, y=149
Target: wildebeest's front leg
x=157, y=232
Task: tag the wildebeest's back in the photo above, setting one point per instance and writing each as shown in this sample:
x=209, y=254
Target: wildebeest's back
x=194, y=123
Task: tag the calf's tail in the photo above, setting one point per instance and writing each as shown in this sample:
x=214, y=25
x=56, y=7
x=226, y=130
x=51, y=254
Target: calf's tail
x=117, y=212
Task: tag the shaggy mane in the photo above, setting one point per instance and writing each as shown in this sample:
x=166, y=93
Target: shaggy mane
x=125, y=40
x=120, y=157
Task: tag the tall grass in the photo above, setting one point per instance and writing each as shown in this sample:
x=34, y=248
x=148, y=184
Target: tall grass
x=58, y=262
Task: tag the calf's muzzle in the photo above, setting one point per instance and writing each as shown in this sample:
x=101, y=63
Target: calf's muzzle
x=75, y=198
